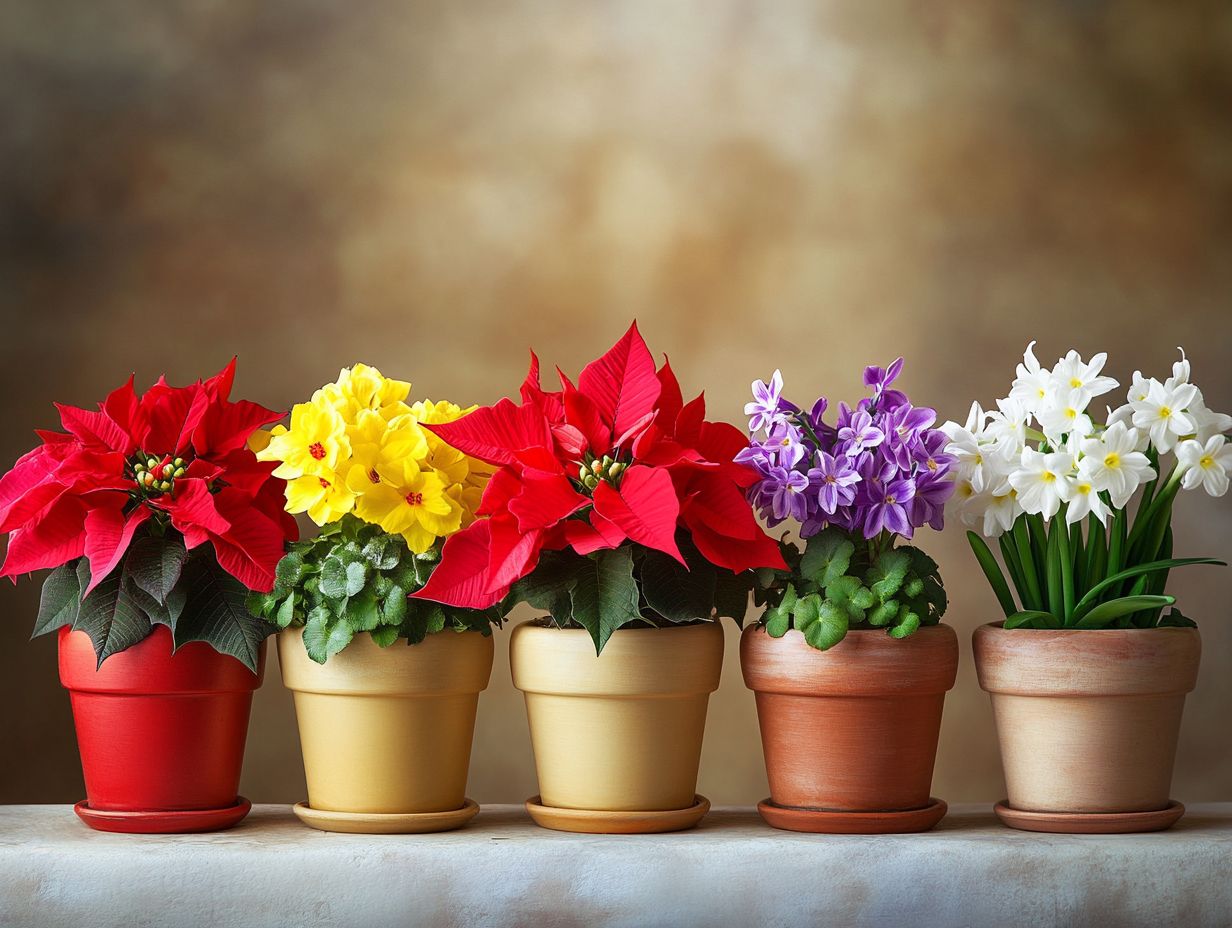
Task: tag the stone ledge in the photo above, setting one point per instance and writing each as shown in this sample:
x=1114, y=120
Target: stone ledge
x=504, y=871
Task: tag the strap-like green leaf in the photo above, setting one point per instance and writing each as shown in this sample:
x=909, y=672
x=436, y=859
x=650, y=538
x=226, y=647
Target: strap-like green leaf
x=992, y=571
x=1032, y=618
x=1092, y=595
x=1112, y=610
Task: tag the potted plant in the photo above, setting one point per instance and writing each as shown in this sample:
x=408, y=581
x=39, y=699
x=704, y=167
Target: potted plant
x=386, y=688
x=155, y=519
x=617, y=510
x=1089, y=668
x=848, y=662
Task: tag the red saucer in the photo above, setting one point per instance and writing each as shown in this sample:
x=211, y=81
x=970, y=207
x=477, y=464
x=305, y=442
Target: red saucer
x=834, y=822
x=1090, y=823
x=163, y=823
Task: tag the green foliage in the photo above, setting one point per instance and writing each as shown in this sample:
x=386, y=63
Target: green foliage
x=840, y=582
x=632, y=586
x=1111, y=578
x=159, y=582
x=356, y=578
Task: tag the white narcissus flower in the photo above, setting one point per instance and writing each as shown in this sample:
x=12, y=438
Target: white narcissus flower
x=1008, y=425
x=1162, y=413
x=1064, y=413
x=1030, y=387
x=1000, y=511
x=1043, y=481
x=1205, y=465
x=1207, y=423
x=1085, y=500
x=1113, y=463
x=966, y=447
x=1074, y=374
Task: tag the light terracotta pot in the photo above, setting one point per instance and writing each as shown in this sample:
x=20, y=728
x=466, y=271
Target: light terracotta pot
x=853, y=728
x=1087, y=719
x=387, y=730
x=622, y=731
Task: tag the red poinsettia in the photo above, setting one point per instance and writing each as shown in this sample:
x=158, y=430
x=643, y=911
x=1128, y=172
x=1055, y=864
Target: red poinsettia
x=175, y=454
x=617, y=458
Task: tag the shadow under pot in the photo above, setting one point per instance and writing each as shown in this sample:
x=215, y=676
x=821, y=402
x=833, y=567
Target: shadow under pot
x=161, y=733
x=1087, y=722
x=386, y=732
x=617, y=737
x=850, y=733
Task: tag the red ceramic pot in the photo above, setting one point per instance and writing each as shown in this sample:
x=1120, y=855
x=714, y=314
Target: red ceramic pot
x=161, y=734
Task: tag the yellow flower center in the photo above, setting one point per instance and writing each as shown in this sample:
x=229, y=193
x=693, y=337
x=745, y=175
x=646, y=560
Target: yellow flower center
x=1165, y=412
x=414, y=499
x=1206, y=462
x=1112, y=459
x=1075, y=382
x=317, y=450
x=1048, y=476
x=374, y=476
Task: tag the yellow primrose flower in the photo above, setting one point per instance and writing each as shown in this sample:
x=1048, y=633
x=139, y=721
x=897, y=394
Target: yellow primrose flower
x=324, y=500
x=435, y=413
x=418, y=508
x=315, y=444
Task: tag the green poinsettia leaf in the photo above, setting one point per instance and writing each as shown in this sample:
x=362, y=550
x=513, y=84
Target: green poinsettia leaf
x=155, y=564
x=112, y=618
x=548, y=587
x=676, y=592
x=605, y=596
x=827, y=556
x=215, y=611
x=60, y=600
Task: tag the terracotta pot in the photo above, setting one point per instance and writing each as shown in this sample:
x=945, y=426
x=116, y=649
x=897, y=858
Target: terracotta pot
x=854, y=728
x=1087, y=719
x=621, y=732
x=158, y=731
x=388, y=730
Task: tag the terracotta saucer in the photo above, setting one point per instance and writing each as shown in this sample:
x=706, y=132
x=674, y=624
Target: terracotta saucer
x=835, y=822
x=588, y=822
x=163, y=823
x=1090, y=823
x=377, y=823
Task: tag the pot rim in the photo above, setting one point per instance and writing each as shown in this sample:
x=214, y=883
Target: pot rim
x=1105, y=662
x=443, y=664
x=153, y=667
x=867, y=662
x=679, y=660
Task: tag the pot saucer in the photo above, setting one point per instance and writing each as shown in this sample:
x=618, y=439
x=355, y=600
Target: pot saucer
x=184, y=821
x=387, y=823
x=1089, y=823
x=590, y=822
x=836, y=822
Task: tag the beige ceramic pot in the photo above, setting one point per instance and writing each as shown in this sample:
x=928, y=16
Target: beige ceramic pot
x=621, y=732
x=1087, y=719
x=388, y=731
x=853, y=728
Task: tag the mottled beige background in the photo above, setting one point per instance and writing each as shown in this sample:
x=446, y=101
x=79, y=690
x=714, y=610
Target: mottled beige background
x=435, y=187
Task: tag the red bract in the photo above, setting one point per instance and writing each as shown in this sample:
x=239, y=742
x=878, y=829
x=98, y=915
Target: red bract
x=673, y=469
x=83, y=492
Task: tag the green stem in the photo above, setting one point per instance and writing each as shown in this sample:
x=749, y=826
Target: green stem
x=1067, y=567
x=1029, y=567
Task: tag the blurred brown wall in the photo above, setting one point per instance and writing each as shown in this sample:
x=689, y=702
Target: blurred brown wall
x=435, y=187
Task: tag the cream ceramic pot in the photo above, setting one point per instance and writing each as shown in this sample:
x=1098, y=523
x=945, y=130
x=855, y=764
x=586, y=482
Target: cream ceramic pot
x=621, y=731
x=387, y=730
x=1087, y=720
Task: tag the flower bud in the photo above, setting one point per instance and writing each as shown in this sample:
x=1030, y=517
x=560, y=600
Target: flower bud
x=179, y=472
x=168, y=470
x=151, y=463
x=165, y=486
x=596, y=467
x=139, y=468
x=178, y=462
x=590, y=481
x=615, y=470
x=147, y=478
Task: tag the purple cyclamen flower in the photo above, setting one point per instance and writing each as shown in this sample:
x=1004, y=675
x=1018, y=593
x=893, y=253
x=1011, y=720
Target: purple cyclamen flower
x=758, y=456
x=880, y=381
x=768, y=405
x=786, y=494
x=929, y=452
x=787, y=441
x=833, y=479
x=902, y=426
x=858, y=433
x=928, y=504
x=889, y=509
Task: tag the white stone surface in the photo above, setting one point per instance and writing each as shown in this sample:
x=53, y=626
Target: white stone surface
x=504, y=871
